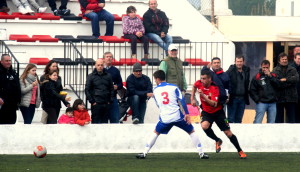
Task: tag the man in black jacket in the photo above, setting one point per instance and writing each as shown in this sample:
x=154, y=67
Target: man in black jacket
x=263, y=92
x=99, y=90
x=239, y=75
x=296, y=64
x=156, y=25
x=287, y=91
x=10, y=91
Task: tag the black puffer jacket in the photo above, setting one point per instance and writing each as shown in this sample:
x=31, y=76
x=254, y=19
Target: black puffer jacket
x=99, y=88
x=155, y=22
x=287, y=91
x=10, y=90
x=232, y=72
x=50, y=94
x=263, y=88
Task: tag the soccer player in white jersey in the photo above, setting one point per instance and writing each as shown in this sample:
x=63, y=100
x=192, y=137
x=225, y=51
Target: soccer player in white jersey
x=168, y=97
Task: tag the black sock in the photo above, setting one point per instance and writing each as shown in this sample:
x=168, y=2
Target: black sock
x=210, y=133
x=235, y=142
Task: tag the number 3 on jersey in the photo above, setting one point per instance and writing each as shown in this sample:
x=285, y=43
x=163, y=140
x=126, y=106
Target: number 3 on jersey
x=165, y=97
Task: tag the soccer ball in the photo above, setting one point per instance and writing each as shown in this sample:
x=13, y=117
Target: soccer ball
x=40, y=151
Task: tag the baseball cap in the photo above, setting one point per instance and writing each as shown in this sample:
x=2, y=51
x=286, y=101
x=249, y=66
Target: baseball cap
x=137, y=67
x=172, y=47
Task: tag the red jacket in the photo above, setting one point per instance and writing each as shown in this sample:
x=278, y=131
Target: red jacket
x=90, y=5
x=81, y=116
x=65, y=119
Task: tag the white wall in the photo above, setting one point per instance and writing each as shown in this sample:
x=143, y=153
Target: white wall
x=129, y=138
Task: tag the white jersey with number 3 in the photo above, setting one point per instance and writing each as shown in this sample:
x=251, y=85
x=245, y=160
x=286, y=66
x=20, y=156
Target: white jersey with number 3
x=167, y=96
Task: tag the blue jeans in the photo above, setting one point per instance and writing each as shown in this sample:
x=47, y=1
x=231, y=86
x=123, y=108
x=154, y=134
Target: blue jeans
x=261, y=108
x=162, y=42
x=138, y=106
x=28, y=113
x=236, y=110
x=113, y=110
x=102, y=15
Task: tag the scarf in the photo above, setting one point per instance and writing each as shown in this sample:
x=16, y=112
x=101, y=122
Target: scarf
x=30, y=78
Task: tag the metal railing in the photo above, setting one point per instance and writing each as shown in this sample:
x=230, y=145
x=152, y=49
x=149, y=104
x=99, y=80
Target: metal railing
x=4, y=49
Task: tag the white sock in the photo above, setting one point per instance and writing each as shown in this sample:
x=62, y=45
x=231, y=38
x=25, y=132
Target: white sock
x=196, y=142
x=150, y=142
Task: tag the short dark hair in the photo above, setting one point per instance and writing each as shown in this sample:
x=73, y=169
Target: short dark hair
x=281, y=55
x=297, y=54
x=206, y=72
x=265, y=62
x=69, y=109
x=130, y=9
x=3, y=55
x=76, y=103
x=159, y=74
x=215, y=58
x=240, y=57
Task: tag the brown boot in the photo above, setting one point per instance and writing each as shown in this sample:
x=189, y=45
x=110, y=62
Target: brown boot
x=4, y=9
x=146, y=56
x=133, y=56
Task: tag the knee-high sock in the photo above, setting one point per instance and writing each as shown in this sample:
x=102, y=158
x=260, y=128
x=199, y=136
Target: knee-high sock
x=233, y=139
x=197, y=143
x=150, y=142
x=210, y=133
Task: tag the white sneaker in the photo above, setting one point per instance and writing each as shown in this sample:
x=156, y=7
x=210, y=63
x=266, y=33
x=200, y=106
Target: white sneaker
x=22, y=10
x=28, y=9
x=42, y=9
x=204, y=156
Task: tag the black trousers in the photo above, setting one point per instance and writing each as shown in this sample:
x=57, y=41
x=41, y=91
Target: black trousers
x=99, y=113
x=297, y=112
x=290, y=109
x=53, y=114
x=134, y=39
x=8, y=114
x=52, y=4
x=3, y=3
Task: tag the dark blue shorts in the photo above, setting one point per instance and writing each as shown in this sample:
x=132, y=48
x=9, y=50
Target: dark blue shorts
x=163, y=128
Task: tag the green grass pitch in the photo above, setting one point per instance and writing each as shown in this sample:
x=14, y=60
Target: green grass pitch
x=161, y=162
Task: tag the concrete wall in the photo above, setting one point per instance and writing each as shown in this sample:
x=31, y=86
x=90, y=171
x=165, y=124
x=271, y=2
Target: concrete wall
x=128, y=138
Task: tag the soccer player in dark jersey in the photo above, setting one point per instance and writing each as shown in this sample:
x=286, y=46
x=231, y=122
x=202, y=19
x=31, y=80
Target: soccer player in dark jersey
x=212, y=111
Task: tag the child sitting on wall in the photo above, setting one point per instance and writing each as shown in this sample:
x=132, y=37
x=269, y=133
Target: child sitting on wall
x=67, y=118
x=81, y=114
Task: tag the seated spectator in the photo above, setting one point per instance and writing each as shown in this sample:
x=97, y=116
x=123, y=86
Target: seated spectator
x=81, y=114
x=95, y=12
x=62, y=11
x=30, y=93
x=139, y=88
x=3, y=6
x=156, y=25
x=24, y=6
x=133, y=29
x=67, y=118
x=51, y=98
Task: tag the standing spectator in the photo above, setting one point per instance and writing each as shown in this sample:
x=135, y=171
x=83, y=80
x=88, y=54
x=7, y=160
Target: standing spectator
x=212, y=111
x=10, y=91
x=24, y=6
x=263, y=92
x=81, y=115
x=219, y=77
x=134, y=30
x=287, y=91
x=94, y=10
x=63, y=11
x=113, y=109
x=156, y=24
x=172, y=66
x=139, y=88
x=51, y=97
x=50, y=67
x=30, y=93
x=170, y=114
x=67, y=118
x=99, y=90
x=3, y=6
x=239, y=75
x=296, y=64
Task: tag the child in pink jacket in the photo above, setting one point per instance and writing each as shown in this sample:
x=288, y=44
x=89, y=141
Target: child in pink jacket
x=81, y=115
x=67, y=118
